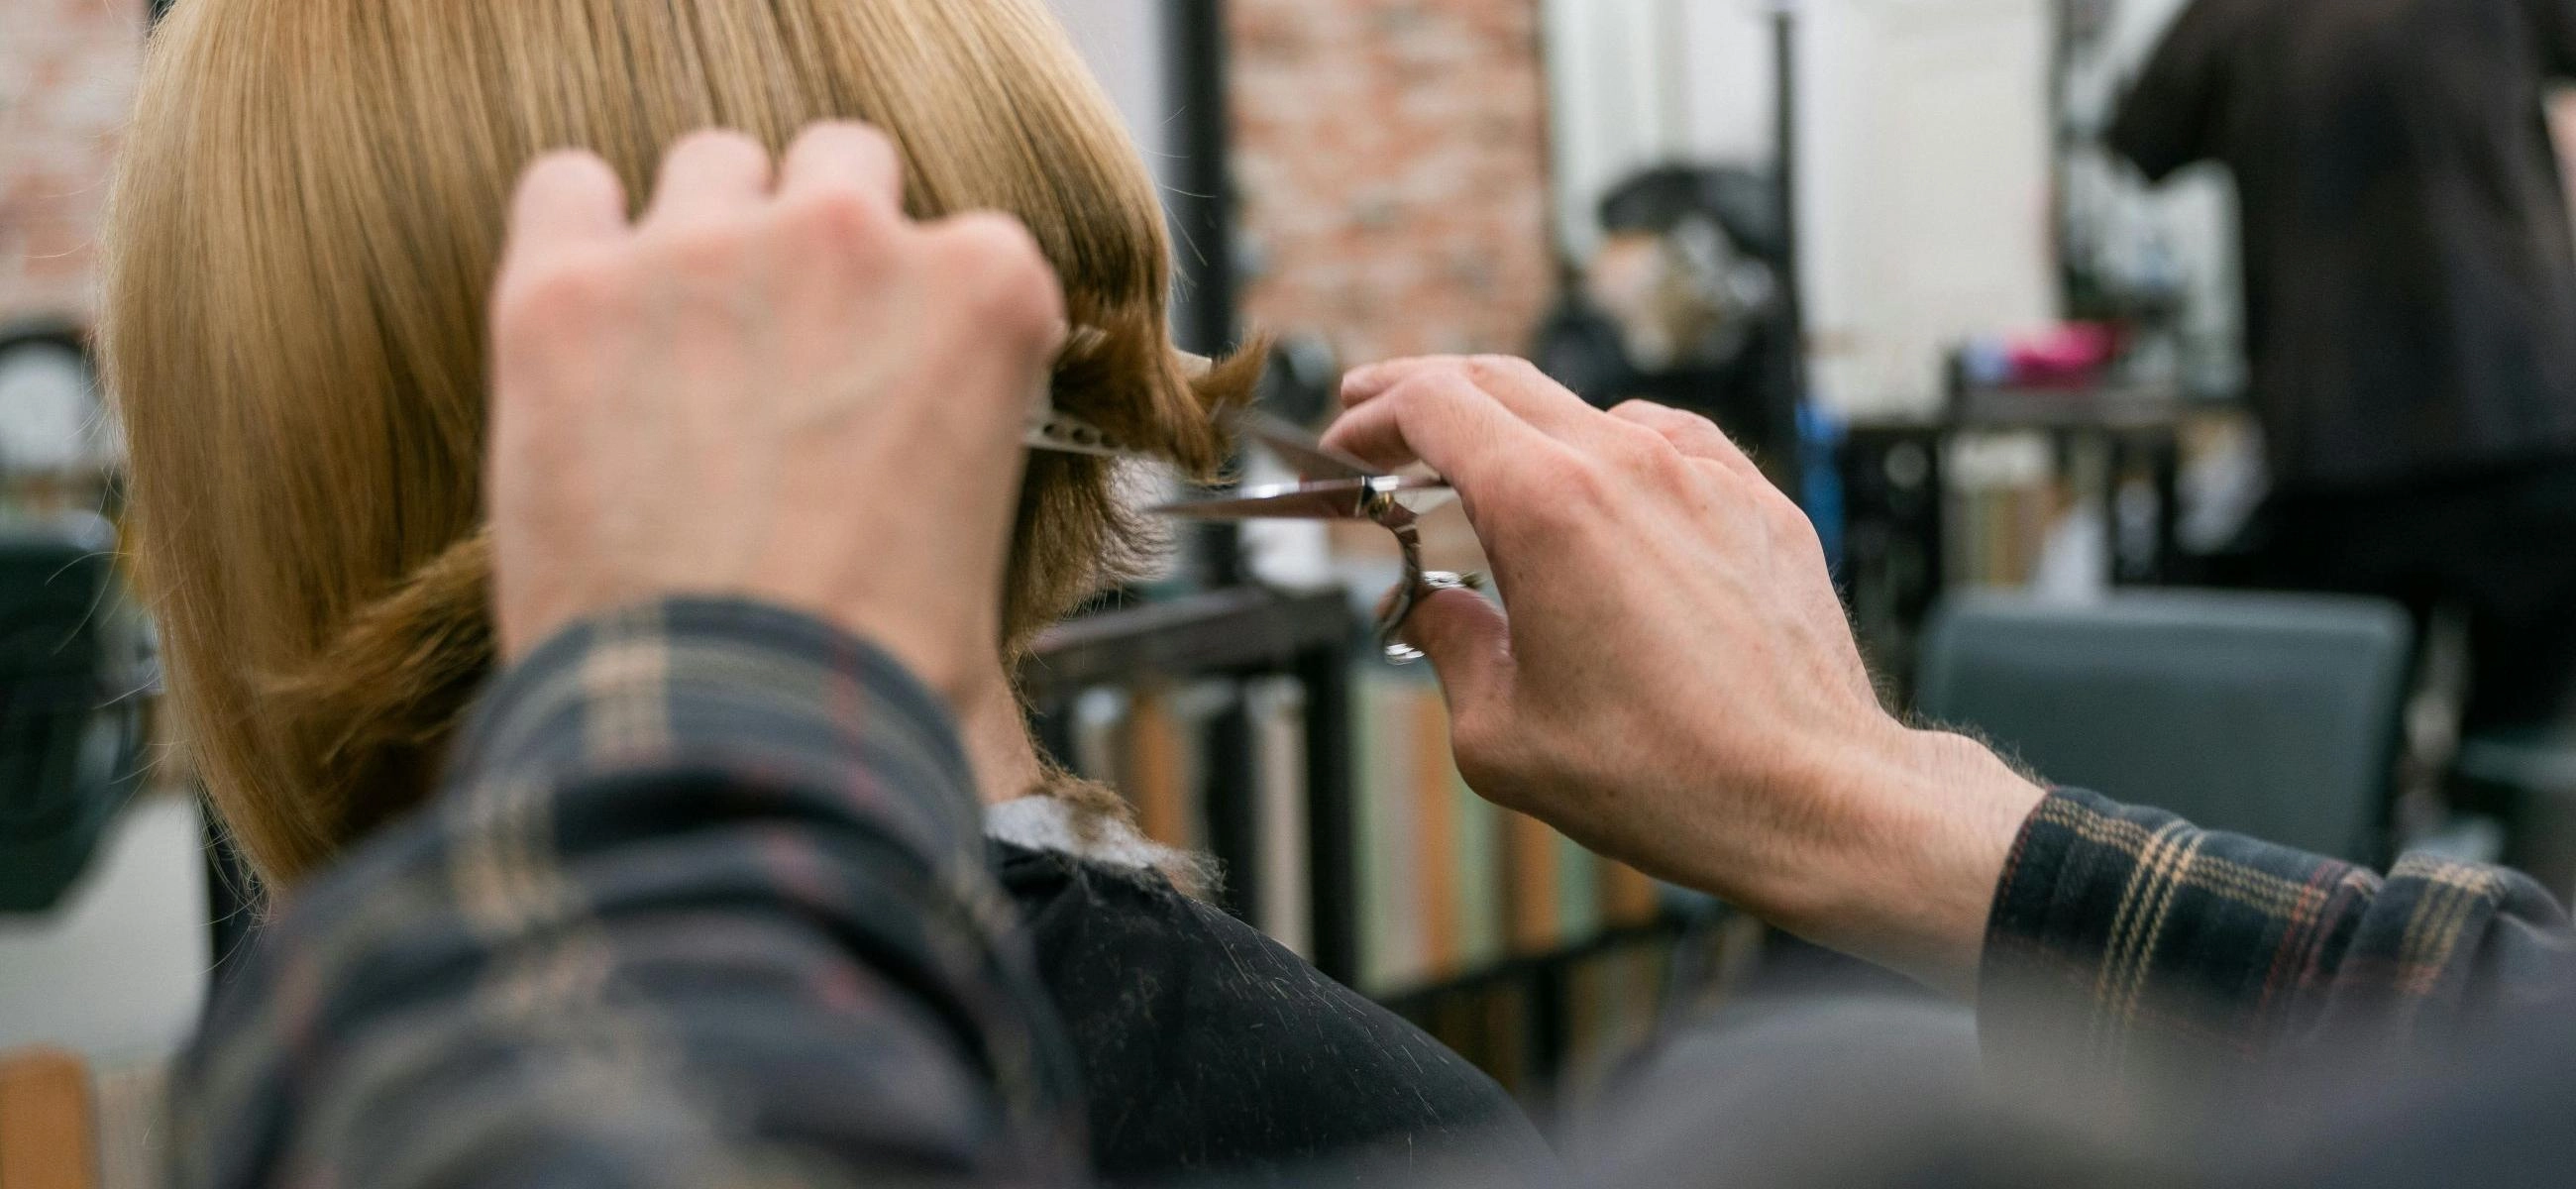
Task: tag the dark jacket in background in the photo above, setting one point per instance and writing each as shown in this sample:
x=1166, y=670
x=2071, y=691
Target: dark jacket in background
x=2410, y=285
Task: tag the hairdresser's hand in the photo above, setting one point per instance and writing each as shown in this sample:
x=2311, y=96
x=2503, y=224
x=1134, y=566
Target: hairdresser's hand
x=774, y=385
x=1676, y=684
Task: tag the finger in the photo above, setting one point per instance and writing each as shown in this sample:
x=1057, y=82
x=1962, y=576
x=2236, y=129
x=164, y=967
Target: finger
x=708, y=174
x=997, y=258
x=1367, y=382
x=843, y=155
x=565, y=199
x=1444, y=420
x=1690, y=433
x=1517, y=383
x=1468, y=641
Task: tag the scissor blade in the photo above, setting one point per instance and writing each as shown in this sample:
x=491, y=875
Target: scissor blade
x=1329, y=499
x=1337, y=499
x=1303, y=450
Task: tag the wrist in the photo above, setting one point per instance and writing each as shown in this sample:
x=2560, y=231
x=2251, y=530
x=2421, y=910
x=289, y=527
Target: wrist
x=1918, y=826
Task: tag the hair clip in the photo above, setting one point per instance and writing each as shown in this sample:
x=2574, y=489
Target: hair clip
x=1057, y=432
x=1063, y=433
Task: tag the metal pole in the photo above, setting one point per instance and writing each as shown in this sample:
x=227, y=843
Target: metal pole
x=1205, y=319
x=1203, y=189
x=1790, y=382
x=1332, y=814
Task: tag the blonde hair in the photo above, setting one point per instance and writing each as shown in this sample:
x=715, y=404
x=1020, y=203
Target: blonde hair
x=307, y=218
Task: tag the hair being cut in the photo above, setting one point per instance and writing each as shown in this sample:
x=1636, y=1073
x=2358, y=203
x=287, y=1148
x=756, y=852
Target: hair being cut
x=306, y=223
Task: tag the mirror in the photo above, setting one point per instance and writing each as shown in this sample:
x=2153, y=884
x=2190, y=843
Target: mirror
x=1919, y=138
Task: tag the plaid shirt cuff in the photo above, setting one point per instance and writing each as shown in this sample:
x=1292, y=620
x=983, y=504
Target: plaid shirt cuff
x=2117, y=924
x=2126, y=944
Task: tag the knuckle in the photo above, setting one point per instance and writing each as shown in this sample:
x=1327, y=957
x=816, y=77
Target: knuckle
x=858, y=137
x=842, y=217
x=1786, y=522
x=1496, y=369
x=1592, y=487
x=1655, y=458
x=553, y=293
x=1628, y=445
x=998, y=262
x=1696, y=423
x=878, y=148
x=567, y=169
x=1790, y=519
x=991, y=237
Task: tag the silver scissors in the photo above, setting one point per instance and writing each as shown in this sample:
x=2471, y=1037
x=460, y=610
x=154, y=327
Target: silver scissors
x=1333, y=486
x=1337, y=486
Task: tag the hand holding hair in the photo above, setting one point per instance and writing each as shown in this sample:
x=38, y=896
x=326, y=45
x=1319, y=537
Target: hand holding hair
x=779, y=388
x=1676, y=684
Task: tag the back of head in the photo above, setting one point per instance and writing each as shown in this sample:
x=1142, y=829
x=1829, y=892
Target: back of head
x=307, y=221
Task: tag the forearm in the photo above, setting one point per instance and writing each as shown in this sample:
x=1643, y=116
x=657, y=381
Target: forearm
x=1910, y=831
x=702, y=902
x=2123, y=938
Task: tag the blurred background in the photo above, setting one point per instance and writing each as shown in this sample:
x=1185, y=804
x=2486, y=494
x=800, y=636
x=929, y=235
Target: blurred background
x=1904, y=250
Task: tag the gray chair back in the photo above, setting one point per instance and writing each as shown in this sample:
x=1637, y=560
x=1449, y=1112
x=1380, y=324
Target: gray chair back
x=2271, y=715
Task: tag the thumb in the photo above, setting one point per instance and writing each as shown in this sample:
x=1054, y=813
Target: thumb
x=1469, y=642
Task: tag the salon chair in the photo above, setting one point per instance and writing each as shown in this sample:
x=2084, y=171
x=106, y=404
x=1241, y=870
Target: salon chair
x=2277, y=716
x=71, y=736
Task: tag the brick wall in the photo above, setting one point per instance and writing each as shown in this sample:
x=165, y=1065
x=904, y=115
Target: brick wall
x=66, y=75
x=1392, y=156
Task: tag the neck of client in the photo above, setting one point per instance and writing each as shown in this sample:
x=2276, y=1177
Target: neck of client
x=998, y=747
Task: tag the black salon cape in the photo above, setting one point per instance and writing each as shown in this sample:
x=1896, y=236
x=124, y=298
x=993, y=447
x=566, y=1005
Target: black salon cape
x=1209, y=1048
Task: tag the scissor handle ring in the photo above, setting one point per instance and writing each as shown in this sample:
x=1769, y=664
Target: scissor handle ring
x=1432, y=582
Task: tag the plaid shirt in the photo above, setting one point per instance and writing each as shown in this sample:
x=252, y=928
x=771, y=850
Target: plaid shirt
x=705, y=902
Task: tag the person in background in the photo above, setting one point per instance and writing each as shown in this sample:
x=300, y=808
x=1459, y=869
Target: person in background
x=1681, y=302
x=301, y=249
x=2410, y=304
